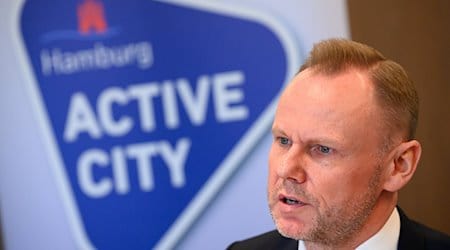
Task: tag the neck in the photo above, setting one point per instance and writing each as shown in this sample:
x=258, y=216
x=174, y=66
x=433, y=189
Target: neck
x=376, y=220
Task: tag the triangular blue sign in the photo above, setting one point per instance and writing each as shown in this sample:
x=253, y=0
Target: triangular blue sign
x=149, y=107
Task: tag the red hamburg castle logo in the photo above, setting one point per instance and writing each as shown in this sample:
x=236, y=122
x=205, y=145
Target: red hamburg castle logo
x=91, y=17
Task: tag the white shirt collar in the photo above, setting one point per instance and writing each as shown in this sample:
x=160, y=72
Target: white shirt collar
x=386, y=238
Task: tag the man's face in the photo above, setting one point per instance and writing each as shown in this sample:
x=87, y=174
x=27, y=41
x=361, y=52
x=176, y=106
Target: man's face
x=324, y=163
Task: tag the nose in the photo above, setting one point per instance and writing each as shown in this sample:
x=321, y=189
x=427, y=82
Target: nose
x=291, y=166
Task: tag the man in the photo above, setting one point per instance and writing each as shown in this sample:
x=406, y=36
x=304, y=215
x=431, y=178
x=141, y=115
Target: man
x=343, y=147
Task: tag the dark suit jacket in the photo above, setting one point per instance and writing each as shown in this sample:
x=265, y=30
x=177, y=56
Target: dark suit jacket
x=412, y=236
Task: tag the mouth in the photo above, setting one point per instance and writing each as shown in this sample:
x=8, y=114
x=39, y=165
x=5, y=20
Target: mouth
x=289, y=200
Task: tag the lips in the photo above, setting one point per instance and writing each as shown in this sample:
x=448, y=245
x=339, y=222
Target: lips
x=290, y=200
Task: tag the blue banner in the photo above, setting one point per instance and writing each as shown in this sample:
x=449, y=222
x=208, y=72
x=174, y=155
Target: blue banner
x=151, y=106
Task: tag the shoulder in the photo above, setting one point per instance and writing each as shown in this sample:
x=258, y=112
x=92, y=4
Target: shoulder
x=269, y=240
x=414, y=235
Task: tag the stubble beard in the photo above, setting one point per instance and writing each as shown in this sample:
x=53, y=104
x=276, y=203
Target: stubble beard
x=334, y=226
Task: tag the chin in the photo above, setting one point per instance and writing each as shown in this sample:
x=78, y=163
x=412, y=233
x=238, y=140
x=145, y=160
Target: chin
x=295, y=233
x=291, y=228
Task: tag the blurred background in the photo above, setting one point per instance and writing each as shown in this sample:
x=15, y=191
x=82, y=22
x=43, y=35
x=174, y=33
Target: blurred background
x=34, y=211
x=416, y=34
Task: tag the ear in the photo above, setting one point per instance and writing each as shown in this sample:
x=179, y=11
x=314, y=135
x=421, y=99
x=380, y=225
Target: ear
x=402, y=165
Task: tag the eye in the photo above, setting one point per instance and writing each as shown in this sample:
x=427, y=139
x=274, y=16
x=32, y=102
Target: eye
x=284, y=141
x=324, y=149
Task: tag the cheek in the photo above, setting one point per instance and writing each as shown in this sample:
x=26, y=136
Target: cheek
x=273, y=163
x=272, y=176
x=336, y=189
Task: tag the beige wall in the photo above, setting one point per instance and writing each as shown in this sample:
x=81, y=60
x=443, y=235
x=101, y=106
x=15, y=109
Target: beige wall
x=416, y=34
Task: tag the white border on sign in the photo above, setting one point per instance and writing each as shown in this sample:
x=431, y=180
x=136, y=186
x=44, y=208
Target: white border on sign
x=223, y=172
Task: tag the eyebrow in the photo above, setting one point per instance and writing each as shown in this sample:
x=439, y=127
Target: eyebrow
x=277, y=130
x=318, y=139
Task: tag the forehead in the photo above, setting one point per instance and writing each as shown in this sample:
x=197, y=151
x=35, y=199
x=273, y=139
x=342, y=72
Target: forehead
x=346, y=90
x=338, y=102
